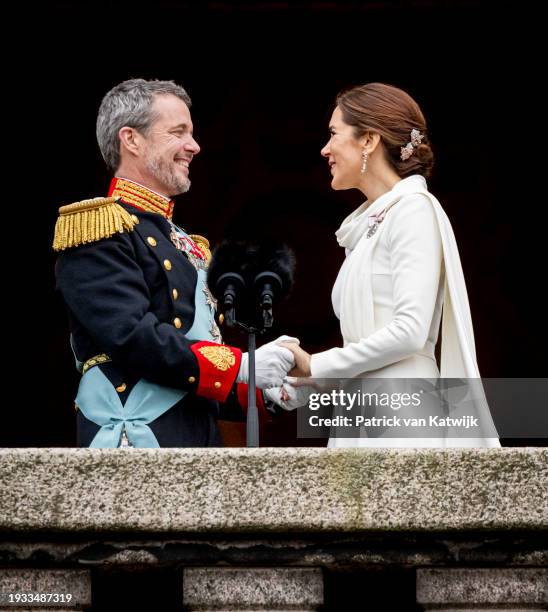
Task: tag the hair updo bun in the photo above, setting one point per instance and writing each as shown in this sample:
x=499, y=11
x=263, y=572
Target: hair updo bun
x=425, y=156
x=393, y=114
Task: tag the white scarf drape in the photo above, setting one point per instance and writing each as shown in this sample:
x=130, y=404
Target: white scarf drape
x=458, y=353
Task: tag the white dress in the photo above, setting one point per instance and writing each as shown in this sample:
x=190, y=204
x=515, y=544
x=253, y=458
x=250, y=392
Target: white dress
x=389, y=296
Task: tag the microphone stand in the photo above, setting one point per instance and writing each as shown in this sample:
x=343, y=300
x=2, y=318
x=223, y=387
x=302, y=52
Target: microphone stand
x=252, y=422
x=266, y=304
x=252, y=425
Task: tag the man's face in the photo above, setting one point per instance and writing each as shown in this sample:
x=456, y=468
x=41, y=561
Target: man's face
x=169, y=146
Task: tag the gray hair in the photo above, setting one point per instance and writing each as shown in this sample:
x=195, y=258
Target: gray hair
x=130, y=104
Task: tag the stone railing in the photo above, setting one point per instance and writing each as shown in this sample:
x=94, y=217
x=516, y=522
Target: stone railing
x=274, y=529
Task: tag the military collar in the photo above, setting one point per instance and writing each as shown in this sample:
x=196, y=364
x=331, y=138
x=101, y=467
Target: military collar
x=141, y=197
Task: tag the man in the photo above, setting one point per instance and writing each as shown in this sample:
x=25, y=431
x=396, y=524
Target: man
x=142, y=320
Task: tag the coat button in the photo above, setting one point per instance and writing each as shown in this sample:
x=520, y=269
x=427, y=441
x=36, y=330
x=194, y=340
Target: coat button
x=221, y=318
x=152, y=241
x=121, y=388
x=167, y=264
x=177, y=322
x=135, y=219
x=191, y=379
x=175, y=293
x=217, y=385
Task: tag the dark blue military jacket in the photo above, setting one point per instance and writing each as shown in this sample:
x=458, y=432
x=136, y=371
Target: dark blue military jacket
x=131, y=297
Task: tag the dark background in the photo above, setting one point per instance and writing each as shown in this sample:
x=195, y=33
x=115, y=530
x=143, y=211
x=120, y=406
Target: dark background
x=263, y=78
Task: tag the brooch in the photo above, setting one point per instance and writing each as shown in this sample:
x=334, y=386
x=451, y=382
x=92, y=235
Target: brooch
x=374, y=221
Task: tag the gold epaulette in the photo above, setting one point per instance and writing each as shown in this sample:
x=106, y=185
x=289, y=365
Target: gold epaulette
x=90, y=221
x=203, y=244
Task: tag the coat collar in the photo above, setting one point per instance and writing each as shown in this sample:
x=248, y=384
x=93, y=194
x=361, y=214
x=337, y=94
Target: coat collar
x=357, y=223
x=140, y=197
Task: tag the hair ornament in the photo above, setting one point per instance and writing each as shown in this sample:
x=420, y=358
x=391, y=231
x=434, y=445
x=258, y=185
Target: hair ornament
x=409, y=149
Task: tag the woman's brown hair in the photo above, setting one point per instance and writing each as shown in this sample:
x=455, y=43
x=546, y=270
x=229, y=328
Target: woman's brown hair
x=392, y=113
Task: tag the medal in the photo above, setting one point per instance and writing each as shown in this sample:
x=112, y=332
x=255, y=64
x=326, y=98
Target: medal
x=184, y=244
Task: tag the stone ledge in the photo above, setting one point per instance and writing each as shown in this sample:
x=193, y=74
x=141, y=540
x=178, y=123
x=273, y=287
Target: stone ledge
x=272, y=490
x=58, y=584
x=253, y=589
x=332, y=550
x=482, y=586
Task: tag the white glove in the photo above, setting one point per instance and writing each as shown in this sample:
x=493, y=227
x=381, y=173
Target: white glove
x=272, y=363
x=298, y=396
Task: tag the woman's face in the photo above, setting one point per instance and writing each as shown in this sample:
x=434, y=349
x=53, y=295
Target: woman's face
x=343, y=152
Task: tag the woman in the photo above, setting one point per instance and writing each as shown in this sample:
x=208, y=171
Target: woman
x=402, y=262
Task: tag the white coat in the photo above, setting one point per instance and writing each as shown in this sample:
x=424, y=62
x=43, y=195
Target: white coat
x=389, y=296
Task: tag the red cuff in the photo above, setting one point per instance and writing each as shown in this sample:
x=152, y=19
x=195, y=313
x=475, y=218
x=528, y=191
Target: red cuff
x=219, y=366
x=264, y=415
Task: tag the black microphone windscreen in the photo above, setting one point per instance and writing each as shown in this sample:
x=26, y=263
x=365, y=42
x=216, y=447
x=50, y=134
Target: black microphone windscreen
x=248, y=260
x=227, y=257
x=277, y=258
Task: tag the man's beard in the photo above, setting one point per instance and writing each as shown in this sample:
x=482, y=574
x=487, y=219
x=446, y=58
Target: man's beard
x=160, y=170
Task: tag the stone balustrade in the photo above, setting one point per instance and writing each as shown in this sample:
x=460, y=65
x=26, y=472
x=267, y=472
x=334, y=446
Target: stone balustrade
x=275, y=528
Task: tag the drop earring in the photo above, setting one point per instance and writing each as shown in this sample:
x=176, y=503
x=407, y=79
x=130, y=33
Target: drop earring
x=365, y=154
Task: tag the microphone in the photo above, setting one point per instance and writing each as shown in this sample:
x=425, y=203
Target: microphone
x=252, y=277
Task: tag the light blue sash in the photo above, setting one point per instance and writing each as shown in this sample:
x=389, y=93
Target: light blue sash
x=100, y=402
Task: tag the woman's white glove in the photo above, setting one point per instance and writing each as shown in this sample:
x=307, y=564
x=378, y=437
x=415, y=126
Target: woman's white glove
x=272, y=363
x=289, y=397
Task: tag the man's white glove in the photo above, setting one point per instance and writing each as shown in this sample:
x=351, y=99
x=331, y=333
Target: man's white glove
x=296, y=396
x=272, y=363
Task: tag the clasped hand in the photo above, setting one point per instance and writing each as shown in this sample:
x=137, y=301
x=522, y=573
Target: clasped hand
x=302, y=359
x=273, y=361
x=296, y=388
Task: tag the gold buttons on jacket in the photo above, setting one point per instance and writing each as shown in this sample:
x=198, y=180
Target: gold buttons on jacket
x=135, y=219
x=177, y=322
x=175, y=293
x=152, y=241
x=217, y=385
x=121, y=388
x=167, y=264
x=191, y=379
x=221, y=318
